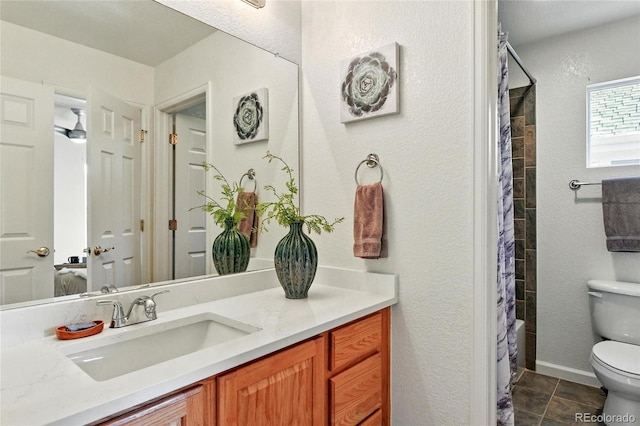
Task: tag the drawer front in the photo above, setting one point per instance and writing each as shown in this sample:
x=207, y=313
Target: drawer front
x=355, y=341
x=357, y=392
x=374, y=420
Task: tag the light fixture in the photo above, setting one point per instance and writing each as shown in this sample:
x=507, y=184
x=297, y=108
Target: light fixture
x=256, y=3
x=77, y=134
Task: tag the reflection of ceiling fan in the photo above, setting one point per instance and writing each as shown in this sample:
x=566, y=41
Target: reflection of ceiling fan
x=77, y=134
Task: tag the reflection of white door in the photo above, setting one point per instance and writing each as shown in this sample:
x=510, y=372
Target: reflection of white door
x=190, y=237
x=26, y=190
x=113, y=183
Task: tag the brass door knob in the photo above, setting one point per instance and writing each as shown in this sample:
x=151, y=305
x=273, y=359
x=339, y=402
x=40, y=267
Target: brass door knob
x=99, y=250
x=42, y=251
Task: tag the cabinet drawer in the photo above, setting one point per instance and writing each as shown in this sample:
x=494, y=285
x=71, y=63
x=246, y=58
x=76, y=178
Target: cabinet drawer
x=355, y=340
x=374, y=420
x=356, y=392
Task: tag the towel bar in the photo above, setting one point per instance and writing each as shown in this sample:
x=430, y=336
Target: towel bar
x=576, y=184
x=372, y=161
x=251, y=174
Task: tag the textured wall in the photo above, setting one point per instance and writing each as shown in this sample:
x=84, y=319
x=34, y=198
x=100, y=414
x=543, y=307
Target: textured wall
x=426, y=152
x=276, y=27
x=571, y=240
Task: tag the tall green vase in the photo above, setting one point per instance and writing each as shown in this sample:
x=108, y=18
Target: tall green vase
x=296, y=262
x=230, y=250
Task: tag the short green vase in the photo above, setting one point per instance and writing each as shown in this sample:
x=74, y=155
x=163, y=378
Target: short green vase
x=230, y=250
x=296, y=262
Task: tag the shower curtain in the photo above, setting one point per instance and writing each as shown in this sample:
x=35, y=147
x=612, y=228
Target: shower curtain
x=506, y=348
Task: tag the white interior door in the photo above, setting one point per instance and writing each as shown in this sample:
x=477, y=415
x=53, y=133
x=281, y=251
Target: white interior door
x=190, y=237
x=113, y=152
x=26, y=191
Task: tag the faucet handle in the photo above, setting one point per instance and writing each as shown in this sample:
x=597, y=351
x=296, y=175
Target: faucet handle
x=149, y=304
x=116, y=304
x=157, y=294
x=117, y=317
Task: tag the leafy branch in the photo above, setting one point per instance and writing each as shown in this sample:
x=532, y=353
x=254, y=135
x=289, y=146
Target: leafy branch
x=284, y=210
x=227, y=208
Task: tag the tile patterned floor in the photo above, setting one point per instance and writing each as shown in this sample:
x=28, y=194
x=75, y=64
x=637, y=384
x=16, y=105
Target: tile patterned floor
x=546, y=401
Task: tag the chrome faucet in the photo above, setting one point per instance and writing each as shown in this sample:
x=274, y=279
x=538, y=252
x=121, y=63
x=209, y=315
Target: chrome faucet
x=119, y=319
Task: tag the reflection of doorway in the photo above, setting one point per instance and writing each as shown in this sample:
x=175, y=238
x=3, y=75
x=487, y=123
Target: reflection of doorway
x=69, y=183
x=188, y=239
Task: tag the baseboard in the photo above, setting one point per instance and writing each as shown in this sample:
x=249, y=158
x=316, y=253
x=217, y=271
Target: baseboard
x=567, y=373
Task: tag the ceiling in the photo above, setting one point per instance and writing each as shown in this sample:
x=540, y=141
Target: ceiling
x=528, y=21
x=143, y=31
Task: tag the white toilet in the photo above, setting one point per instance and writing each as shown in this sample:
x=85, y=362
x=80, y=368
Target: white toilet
x=615, y=315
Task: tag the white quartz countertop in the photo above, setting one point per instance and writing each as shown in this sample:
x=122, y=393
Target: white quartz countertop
x=40, y=385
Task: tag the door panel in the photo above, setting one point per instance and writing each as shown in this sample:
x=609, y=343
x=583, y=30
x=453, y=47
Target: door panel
x=26, y=190
x=190, y=237
x=113, y=191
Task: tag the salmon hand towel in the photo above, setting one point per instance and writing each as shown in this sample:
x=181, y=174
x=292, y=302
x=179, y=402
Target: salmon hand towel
x=248, y=225
x=368, y=222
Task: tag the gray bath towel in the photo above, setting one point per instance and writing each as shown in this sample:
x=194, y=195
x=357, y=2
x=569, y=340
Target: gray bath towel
x=621, y=213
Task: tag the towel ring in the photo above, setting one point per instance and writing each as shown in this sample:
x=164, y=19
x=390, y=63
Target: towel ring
x=251, y=174
x=371, y=161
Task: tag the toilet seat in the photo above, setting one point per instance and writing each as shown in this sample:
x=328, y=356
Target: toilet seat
x=623, y=358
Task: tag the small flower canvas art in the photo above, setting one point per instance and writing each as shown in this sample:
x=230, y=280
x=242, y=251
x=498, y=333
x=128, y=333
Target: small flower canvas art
x=251, y=117
x=369, y=85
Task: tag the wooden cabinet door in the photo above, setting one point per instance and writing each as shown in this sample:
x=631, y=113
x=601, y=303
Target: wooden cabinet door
x=282, y=389
x=185, y=408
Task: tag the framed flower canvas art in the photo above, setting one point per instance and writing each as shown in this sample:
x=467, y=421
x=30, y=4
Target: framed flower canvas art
x=369, y=85
x=251, y=117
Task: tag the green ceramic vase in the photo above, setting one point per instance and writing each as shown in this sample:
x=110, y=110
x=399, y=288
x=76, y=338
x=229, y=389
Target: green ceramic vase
x=230, y=250
x=296, y=262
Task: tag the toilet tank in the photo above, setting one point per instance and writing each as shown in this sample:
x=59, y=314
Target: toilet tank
x=615, y=310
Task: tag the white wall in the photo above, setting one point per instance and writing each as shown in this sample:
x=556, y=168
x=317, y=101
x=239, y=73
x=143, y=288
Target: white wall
x=235, y=68
x=426, y=152
x=70, y=67
x=275, y=27
x=571, y=242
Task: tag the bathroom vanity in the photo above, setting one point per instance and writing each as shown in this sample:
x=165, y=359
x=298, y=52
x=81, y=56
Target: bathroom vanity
x=321, y=360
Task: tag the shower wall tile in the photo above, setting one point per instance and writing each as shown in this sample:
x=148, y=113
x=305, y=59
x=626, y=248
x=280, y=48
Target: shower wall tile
x=520, y=309
x=530, y=220
x=523, y=133
x=530, y=106
x=516, y=106
x=520, y=250
x=517, y=128
x=530, y=275
x=530, y=312
x=517, y=147
x=518, y=92
x=530, y=179
x=518, y=209
x=518, y=188
x=518, y=168
x=519, y=229
x=520, y=290
x=530, y=145
x=530, y=358
x=520, y=267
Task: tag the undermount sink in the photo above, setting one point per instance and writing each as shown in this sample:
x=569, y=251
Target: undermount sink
x=141, y=347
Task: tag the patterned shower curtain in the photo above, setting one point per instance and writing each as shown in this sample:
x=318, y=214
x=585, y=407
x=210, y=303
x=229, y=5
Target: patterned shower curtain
x=506, y=349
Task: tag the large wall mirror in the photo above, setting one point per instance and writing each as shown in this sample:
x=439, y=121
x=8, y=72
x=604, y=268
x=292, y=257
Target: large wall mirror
x=89, y=181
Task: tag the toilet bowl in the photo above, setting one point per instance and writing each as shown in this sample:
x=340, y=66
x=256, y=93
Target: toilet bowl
x=617, y=366
x=615, y=315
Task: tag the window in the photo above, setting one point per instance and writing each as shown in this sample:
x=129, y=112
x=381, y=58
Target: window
x=613, y=123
